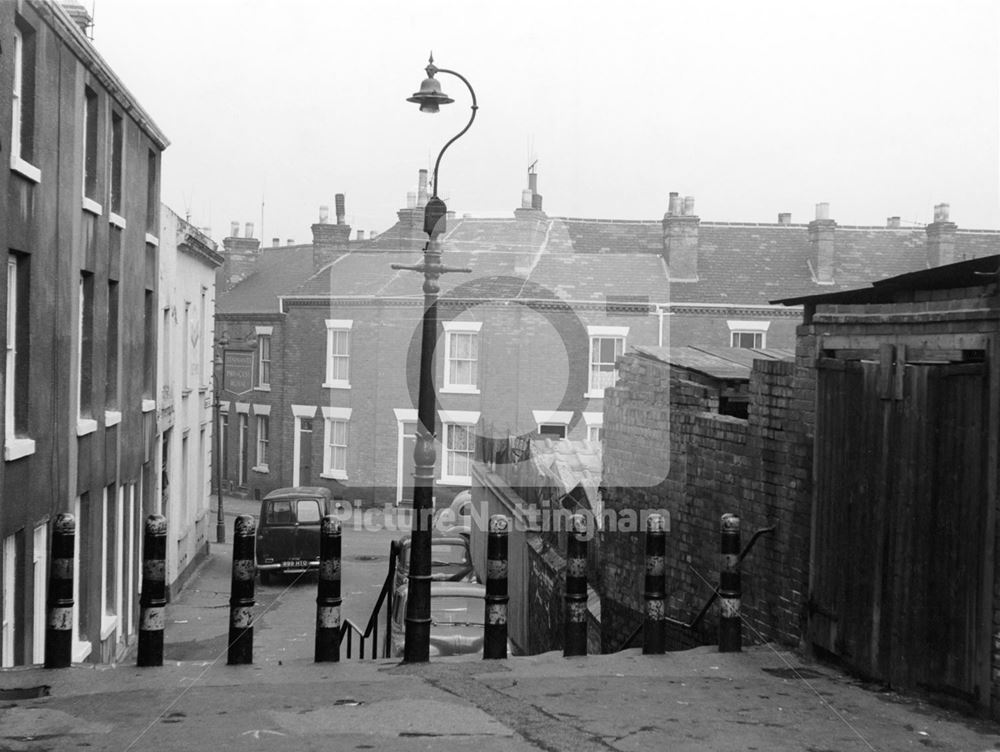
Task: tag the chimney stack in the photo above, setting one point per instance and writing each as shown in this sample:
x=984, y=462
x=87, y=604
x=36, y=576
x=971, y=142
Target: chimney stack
x=821, y=245
x=526, y=198
x=339, y=202
x=361, y=234
x=785, y=218
x=324, y=215
x=240, y=255
x=892, y=223
x=531, y=199
x=275, y=242
x=290, y=241
x=422, y=188
x=941, y=237
x=80, y=15
x=680, y=239
x=411, y=200
x=329, y=241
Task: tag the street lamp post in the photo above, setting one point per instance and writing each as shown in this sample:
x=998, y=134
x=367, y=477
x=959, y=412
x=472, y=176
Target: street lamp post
x=220, y=525
x=418, y=602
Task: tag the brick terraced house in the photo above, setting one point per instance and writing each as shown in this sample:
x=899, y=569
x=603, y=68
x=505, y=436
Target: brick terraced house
x=528, y=340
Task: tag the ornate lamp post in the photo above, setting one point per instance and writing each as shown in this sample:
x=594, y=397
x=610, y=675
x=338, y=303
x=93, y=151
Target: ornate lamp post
x=418, y=602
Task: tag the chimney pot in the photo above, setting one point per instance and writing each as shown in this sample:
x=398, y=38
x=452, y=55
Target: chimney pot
x=234, y=229
x=249, y=229
x=892, y=222
x=688, y=205
x=275, y=242
x=672, y=203
x=290, y=241
x=785, y=218
x=339, y=201
x=941, y=212
x=324, y=214
x=361, y=234
x=536, y=201
x=526, y=198
x=411, y=200
x=533, y=182
x=823, y=210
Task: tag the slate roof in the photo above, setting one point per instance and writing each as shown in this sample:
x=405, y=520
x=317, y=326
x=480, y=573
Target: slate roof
x=589, y=259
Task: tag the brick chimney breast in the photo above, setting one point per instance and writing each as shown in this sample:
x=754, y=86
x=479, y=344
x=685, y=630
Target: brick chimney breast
x=680, y=239
x=822, y=248
x=241, y=255
x=941, y=238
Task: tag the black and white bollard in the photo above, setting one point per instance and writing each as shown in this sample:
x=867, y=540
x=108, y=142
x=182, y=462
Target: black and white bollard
x=59, y=626
x=328, y=591
x=730, y=587
x=153, y=600
x=654, y=627
x=495, y=633
x=575, y=616
x=241, y=594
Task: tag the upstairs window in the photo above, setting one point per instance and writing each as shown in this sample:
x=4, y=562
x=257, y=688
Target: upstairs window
x=152, y=193
x=22, y=146
x=264, y=357
x=90, y=144
x=461, y=356
x=748, y=334
x=117, y=162
x=607, y=344
x=111, y=370
x=85, y=375
x=17, y=394
x=338, y=354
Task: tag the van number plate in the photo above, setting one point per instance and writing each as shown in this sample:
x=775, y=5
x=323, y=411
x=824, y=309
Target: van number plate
x=295, y=564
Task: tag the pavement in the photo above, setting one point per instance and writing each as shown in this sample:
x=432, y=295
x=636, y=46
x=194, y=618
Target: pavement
x=763, y=698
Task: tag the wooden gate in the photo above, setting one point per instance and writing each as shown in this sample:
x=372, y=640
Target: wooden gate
x=901, y=571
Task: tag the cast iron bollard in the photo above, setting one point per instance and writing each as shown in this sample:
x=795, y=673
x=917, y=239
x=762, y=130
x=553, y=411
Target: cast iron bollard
x=495, y=635
x=575, y=618
x=654, y=627
x=153, y=599
x=328, y=592
x=59, y=627
x=730, y=587
x=241, y=596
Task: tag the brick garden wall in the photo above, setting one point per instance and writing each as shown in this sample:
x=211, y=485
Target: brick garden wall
x=665, y=446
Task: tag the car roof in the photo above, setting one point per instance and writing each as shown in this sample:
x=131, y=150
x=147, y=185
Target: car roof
x=296, y=492
x=443, y=589
x=437, y=540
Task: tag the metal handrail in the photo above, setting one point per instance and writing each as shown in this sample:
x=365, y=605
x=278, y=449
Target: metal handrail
x=349, y=628
x=708, y=604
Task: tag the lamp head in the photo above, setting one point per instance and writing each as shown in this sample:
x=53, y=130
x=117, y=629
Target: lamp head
x=430, y=97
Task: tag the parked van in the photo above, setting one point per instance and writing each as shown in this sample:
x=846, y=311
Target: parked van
x=288, y=529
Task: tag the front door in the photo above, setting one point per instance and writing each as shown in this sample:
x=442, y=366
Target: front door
x=305, y=451
x=244, y=448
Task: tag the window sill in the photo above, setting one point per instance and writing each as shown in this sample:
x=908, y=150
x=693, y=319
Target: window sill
x=89, y=205
x=81, y=651
x=262, y=388
x=262, y=469
x=594, y=394
x=152, y=239
x=185, y=391
x=112, y=418
x=334, y=474
x=85, y=426
x=202, y=389
x=337, y=385
x=459, y=389
x=109, y=623
x=117, y=220
x=25, y=169
x=15, y=449
x=457, y=480
x=148, y=405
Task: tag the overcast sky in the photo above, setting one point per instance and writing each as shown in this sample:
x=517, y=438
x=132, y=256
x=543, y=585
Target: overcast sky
x=754, y=108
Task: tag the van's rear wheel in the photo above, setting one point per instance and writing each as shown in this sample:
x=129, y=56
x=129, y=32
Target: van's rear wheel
x=266, y=578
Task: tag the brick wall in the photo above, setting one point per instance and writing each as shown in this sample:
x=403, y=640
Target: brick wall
x=666, y=447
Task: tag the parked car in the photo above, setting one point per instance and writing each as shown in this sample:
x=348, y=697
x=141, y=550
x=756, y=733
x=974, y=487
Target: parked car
x=457, y=619
x=288, y=529
x=450, y=560
x=456, y=518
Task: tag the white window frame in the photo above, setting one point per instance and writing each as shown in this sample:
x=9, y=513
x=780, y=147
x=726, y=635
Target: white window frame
x=749, y=327
x=299, y=413
x=39, y=561
x=331, y=417
x=332, y=326
x=403, y=415
x=451, y=419
x=17, y=161
x=264, y=334
x=262, y=447
x=84, y=424
x=452, y=328
x=595, y=423
x=89, y=203
x=14, y=447
x=595, y=333
x=81, y=648
x=7, y=599
x=109, y=618
x=552, y=418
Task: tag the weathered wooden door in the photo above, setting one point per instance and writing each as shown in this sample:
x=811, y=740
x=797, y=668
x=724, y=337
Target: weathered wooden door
x=899, y=574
